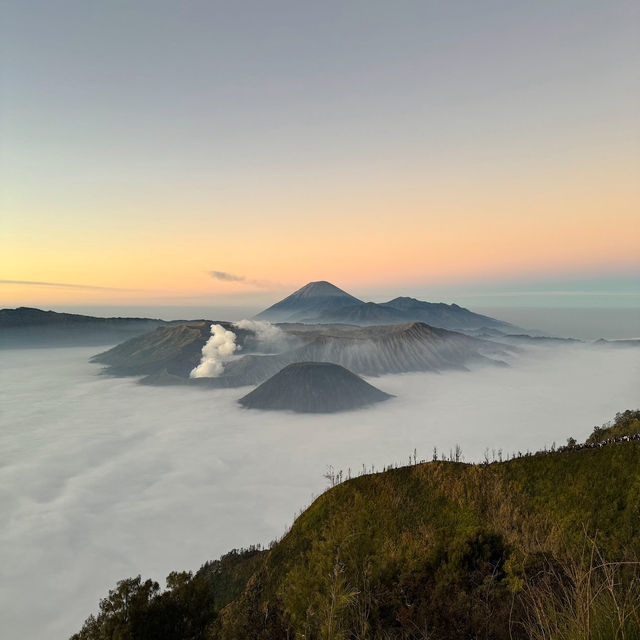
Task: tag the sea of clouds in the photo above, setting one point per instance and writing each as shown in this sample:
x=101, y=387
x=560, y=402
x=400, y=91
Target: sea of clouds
x=101, y=478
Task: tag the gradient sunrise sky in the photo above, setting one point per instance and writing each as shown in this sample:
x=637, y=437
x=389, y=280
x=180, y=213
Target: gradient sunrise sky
x=228, y=152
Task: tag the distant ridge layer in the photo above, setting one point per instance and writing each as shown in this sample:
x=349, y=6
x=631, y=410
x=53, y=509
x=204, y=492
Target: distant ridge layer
x=29, y=327
x=320, y=302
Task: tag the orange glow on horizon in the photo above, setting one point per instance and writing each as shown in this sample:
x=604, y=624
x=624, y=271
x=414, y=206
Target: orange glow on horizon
x=356, y=238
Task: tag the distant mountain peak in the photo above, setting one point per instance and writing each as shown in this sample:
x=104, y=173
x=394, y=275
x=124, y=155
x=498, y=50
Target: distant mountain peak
x=403, y=299
x=323, y=289
x=309, y=301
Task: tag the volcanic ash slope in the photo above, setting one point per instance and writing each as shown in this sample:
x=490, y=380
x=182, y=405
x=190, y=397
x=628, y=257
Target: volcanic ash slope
x=313, y=387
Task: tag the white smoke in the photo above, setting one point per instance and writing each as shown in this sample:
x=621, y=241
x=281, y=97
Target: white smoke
x=269, y=337
x=265, y=331
x=218, y=349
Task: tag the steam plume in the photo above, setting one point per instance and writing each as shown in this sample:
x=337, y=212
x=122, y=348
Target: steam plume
x=219, y=347
x=264, y=331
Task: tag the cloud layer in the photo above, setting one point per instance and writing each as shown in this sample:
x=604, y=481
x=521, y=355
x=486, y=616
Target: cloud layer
x=226, y=277
x=101, y=478
x=64, y=285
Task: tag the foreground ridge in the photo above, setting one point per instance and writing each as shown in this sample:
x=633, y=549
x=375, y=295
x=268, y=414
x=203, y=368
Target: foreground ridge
x=440, y=549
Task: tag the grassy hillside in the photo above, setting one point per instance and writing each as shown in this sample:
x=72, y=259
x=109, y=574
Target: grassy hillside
x=542, y=546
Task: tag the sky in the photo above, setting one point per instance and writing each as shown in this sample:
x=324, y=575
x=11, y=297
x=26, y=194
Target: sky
x=226, y=153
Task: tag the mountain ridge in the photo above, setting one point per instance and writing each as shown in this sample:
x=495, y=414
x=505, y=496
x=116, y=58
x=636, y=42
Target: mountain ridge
x=26, y=327
x=368, y=351
x=323, y=302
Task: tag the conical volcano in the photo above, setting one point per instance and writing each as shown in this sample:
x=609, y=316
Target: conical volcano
x=313, y=387
x=309, y=302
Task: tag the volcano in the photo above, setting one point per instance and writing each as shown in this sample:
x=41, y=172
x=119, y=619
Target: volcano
x=313, y=387
x=322, y=302
x=311, y=301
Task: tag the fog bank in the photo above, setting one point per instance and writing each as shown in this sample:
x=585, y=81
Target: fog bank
x=583, y=323
x=101, y=478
